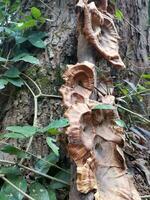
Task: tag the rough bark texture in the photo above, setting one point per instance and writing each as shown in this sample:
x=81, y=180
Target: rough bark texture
x=17, y=108
x=94, y=141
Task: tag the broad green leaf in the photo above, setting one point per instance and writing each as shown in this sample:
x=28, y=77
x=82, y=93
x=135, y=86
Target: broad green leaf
x=3, y=59
x=37, y=42
x=15, y=171
x=3, y=83
x=60, y=123
x=3, y=196
x=13, y=72
x=9, y=31
x=54, y=131
x=30, y=59
x=26, y=131
x=18, y=57
x=52, y=194
x=62, y=176
x=42, y=20
x=13, y=136
x=120, y=123
x=12, y=193
x=103, y=107
x=119, y=15
x=44, y=167
x=26, y=25
x=141, y=88
x=14, y=151
x=20, y=39
x=36, y=13
x=51, y=143
x=146, y=76
x=147, y=83
x=38, y=191
x=27, y=58
x=15, y=81
x=38, y=34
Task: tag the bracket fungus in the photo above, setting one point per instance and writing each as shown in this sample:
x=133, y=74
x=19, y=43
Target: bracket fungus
x=95, y=141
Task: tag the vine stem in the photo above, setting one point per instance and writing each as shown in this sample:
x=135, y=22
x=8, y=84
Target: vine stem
x=145, y=197
x=136, y=114
x=18, y=189
x=34, y=171
x=38, y=157
x=135, y=93
x=35, y=96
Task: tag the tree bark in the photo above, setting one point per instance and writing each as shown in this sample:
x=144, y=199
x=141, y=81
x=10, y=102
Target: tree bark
x=18, y=107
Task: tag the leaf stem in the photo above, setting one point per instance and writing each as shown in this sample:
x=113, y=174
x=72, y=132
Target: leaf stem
x=37, y=157
x=34, y=171
x=145, y=197
x=136, y=114
x=18, y=189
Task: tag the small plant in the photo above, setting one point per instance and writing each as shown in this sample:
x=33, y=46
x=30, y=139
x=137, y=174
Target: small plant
x=21, y=32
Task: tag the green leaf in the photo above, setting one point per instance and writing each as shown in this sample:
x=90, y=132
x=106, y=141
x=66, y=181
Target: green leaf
x=3, y=196
x=38, y=191
x=20, y=39
x=13, y=136
x=119, y=15
x=26, y=25
x=147, y=83
x=13, y=170
x=15, y=81
x=61, y=123
x=14, y=151
x=29, y=59
x=62, y=176
x=12, y=73
x=103, y=107
x=141, y=88
x=19, y=56
x=44, y=167
x=54, y=131
x=120, y=123
x=36, y=13
x=52, y=194
x=37, y=42
x=10, y=192
x=26, y=131
x=3, y=82
x=50, y=141
x=149, y=12
x=3, y=59
x=146, y=76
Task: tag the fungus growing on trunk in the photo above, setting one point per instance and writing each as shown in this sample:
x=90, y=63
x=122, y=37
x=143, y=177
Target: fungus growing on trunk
x=95, y=140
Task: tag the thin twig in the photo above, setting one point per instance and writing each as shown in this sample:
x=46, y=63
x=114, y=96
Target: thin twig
x=18, y=189
x=51, y=96
x=37, y=86
x=37, y=157
x=145, y=197
x=134, y=28
x=34, y=171
x=136, y=114
x=35, y=117
x=135, y=93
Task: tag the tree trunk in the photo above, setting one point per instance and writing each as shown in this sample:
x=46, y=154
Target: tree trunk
x=18, y=107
